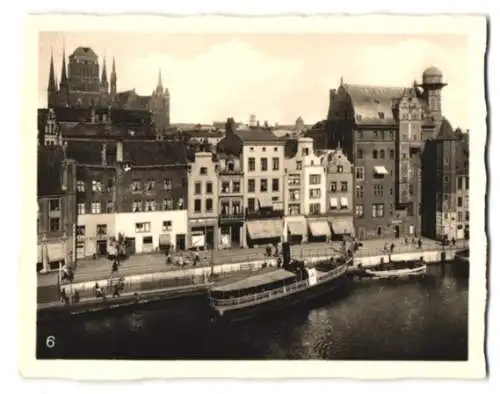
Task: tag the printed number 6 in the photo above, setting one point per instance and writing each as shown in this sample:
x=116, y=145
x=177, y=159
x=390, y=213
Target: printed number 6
x=50, y=342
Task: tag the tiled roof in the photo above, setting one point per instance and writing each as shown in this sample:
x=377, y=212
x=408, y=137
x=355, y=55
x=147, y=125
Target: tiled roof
x=369, y=101
x=49, y=170
x=84, y=152
x=105, y=131
x=256, y=135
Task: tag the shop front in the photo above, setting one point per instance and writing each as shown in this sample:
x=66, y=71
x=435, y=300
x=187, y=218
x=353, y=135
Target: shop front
x=296, y=229
x=264, y=232
x=319, y=230
x=202, y=233
x=342, y=227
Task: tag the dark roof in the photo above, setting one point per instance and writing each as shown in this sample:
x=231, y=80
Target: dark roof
x=136, y=153
x=446, y=131
x=256, y=135
x=138, y=116
x=49, y=164
x=291, y=147
x=131, y=97
x=202, y=133
x=84, y=52
x=105, y=131
x=369, y=101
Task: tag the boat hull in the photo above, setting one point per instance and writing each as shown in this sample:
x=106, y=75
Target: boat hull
x=302, y=297
x=394, y=274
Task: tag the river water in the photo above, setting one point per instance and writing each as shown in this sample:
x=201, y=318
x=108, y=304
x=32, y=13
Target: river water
x=398, y=320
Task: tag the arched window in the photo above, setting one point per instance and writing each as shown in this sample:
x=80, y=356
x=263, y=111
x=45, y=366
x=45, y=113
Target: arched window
x=382, y=154
x=391, y=153
x=360, y=153
x=375, y=154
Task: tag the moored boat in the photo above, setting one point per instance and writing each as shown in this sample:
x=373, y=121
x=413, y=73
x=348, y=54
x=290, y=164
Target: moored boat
x=272, y=289
x=397, y=269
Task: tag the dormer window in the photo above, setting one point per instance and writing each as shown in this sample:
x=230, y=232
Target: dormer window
x=230, y=166
x=305, y=151
x=381, y=115
x=203, y=171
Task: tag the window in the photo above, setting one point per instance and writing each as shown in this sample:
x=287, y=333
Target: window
x=209, y=188
x=80, y=207
x=359, y=134
x=467, y=183
x=167, y=204
x=54, y=205
x=305, y=151
x=377, y=210
x=225, y=187
x=263, y=149
x=197, y=205
x=137, y=206
x=275, y=149
x=467, y=216
x=101, y=229
x=109, y=185
x=375, y=154
x=294, y=180
x=203, y=171
x=410, y=190
x=315, y=179
x=251, y=164
x=343, y=186
x=294, y=195
x=197, y=188
x=263, y=164
x=96, y=186
x=314, y=208
x=299, y=166
x=149, y=205
x=236, y=207
x=95, y=207
x=166, y=225
x=459, y=201
x=110, y=207
x=230, y=165
x=294, y=209
x=381, y=115
x=251, y=204
x=391, y=154
x=378, y=190
x=180, y=203
x=167, y=184
x=460, y=183
x=80, y=186
x=360, y=173
x=80, y=230
x=460, y=216
x=340, y=169
x=209, y=205
x=236, y=187
x=135, y=186
x=333, y=187
x=54, y=224
x=251, y=186
x=263, y=185
x=150, y=185
x=360, y=211
x=360, y=154
x=276, y=163
x=390, y=191
x=359, y=191
x=276, y=185
x=382, y=154
x=315, y=193
x=144, y=227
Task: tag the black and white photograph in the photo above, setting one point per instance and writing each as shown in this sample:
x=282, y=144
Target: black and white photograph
x=282, y=190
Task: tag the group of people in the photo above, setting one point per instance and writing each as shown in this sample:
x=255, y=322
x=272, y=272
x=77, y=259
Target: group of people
x=182, y=259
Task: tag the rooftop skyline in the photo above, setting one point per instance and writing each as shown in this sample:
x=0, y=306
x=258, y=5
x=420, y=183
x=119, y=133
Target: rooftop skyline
x=277, y=77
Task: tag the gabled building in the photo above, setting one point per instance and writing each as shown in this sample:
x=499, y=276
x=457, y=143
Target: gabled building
x=262, y=155
x=56, y=216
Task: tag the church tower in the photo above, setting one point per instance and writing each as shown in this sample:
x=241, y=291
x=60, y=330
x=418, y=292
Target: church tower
x=113, y=82
x=432, y=83
x=64, y=83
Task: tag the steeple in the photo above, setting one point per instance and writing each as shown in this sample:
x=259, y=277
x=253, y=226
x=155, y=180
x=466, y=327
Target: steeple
x=159, y=86
x=64, y=77
x=113, y=79
x=52, y=76
x=104, y=77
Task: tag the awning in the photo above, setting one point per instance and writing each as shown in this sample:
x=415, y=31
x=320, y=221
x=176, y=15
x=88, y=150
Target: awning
x=164, y=239
x=380, y=170
x=39, y=258
x=333, y=202
x=55, y=252
x=344, y=202
x=265, y=201
x=320, y=228
x=265, y=229
x=342, y=226
x=297, y=226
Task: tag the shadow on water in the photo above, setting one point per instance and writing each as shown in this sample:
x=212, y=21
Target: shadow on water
x=372, y=320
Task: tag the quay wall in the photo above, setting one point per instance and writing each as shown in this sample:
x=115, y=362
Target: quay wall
x=199, y=275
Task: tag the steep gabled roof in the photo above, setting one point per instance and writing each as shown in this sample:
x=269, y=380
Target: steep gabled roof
x=446, y=131
x=256, y=135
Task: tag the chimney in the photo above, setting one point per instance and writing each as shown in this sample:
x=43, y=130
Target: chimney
x=103, y=155
x=119, y=152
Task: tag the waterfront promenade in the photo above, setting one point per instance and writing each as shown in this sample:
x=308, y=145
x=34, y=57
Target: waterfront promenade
x=93, y=270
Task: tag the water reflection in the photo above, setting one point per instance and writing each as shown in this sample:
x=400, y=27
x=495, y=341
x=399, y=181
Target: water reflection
x=411, y=320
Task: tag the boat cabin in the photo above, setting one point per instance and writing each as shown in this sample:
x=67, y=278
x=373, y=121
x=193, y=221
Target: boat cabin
x=265, y=281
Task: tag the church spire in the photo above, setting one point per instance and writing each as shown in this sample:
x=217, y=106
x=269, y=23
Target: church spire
x=64, y=77
x=159, y=86
x=113, y=80
x=52, y=76
x=104, y=77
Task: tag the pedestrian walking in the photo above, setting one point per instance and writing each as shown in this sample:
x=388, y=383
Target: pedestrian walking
x=392, y=247
x=76, y=297
x=196, y=258
x=114, y=267
x=419, y=243
x=116, y=290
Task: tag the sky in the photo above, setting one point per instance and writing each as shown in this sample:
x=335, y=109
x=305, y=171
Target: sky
x=277, y=76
